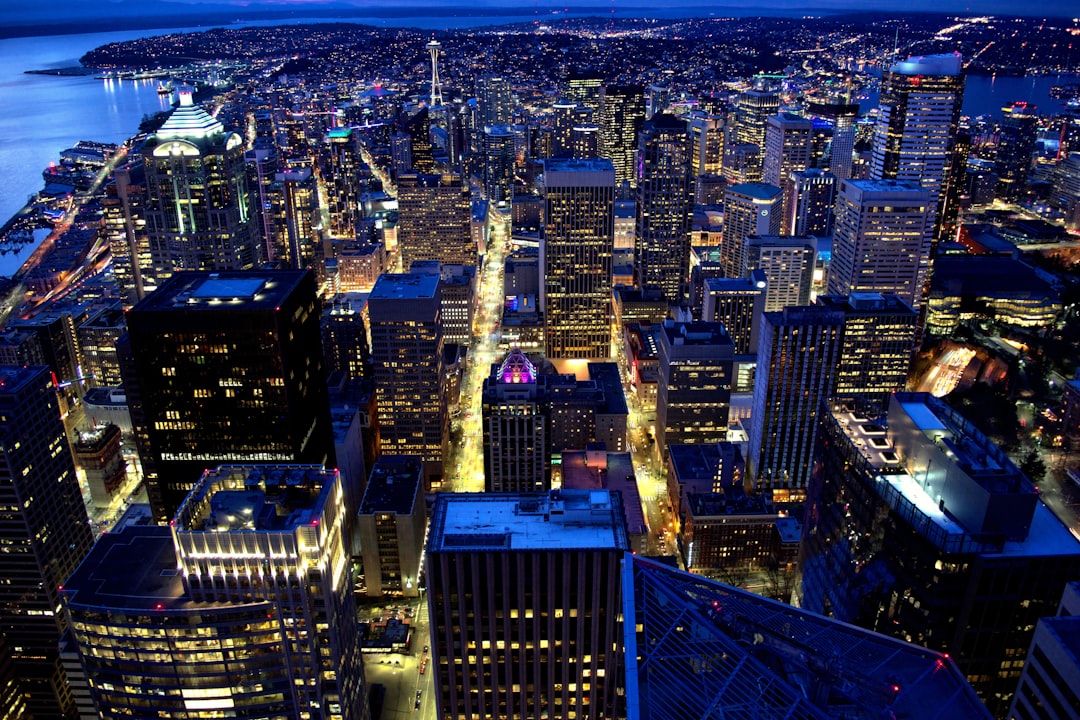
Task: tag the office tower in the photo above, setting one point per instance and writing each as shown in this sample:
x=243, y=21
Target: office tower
x=665, y=205
x=418, y=127
x=198, y=215
x=541, y=142
x=566, y=115
x=585, y=88
x=459, y=285
x=809, y=198
x=753, y=108
x=495, y=100
x=391, y=522
x=657, y=100
x=1048, y=685
x=706, y=143
x=915, y=135
x=749, y=209
x=585, y=142
x=55, y=333
x=693, y=395
x=97, y=343
x=342, y=178
x=249, y=585
x=881, y=239
x=525, y=595
x=499, y=165
x=517, y=446
x=877, y=345
x=1067, y=189
x=921, y=527
x=1016, y=147
x=401, y=160
x=787, y=147
x=842, y=116
x=297, y=240
x=770, y=660
x=262, y=165
x=742, y=164
x=981, y=181
x=622, y=111
x=788, y=264
x=434, y=218
x=797, y=356
x=407, y=363
x=45, y=536
x=576, y=249
x=225, y=367
x=344, y=336
x=124, y=219
x=737, y=304
x=434, y=49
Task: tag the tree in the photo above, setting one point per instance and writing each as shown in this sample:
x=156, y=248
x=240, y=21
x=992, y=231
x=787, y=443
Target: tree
x=1032, y=465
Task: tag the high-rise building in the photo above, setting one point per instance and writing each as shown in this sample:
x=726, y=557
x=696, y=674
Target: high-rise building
x=262, y=164
x=916, y=131
x=585, y=142
x=243, y=606
x=225, y=367
x=499, y=161
x=809, y=198
x=1016, y=148
x=567, y=115
x=664, y=208
x=341, y=175
x=576, y=251
x=391, y=522
x=787, y=147
x=97, y=338
x=344, y=336
x=495, y=100
x=737, y=304
x=547, y=637
x=434, y=219
x=797, y=356
x=407, y=359
x=753, y=108
x=296, y=239
x=919, y=526
x=882, y=239
x=749, y=209
x=1048, y=686
x=585, y=88
x=622, y=111
x=707, y=143
x=693, y=395
x=788, y=263
x=45, y=535
x=517, y=438
x=418, y=128
x=197, y=202
x=124, y=218
x=841, y=116
x=877, y=345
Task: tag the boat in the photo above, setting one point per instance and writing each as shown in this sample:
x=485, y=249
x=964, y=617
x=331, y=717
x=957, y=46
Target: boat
x=165, y=88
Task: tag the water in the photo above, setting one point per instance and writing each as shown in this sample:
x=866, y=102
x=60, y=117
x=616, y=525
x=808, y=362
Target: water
x=986, y=94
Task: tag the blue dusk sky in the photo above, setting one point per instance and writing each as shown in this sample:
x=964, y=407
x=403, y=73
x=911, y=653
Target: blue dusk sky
x=18, y=11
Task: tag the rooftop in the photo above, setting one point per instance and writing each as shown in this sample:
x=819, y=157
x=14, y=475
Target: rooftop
x=13, y=378
x=561, y=520
x=203, y=291
x=189, y=121
x=399, y=286
x=756, y=190
x=392, y=487
x=950, y=64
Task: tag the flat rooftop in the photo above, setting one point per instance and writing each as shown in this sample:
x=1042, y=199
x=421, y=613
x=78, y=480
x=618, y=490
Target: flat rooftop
x=756, y=190
x=13, y=377
x=503, y=522
x=404, y=286
x=392, y=486
x=223, y=291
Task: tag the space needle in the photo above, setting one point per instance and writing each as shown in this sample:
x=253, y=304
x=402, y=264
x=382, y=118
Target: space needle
x=436, y=85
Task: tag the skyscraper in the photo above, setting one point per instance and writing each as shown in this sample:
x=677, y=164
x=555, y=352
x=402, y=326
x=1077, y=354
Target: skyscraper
x=749, y=209
x=797, y=357
x=517, y=438
x=738, y=304
x=753, y=108
x=841, y=115
x=524, y=596
x=1016, y=148
x=622, y=111
x=499, y=161
x=242, y=606
x=341, y=176
x=197, y=203
x=225, y=367
x=44, y=534
x=576, y=250
x=124, y=218
x=882, y=239
x=407, y=359
x=434, y=219
x=496, y=102
x=707, y=143
x=809, y=198
x=296, y=227
x=921, y=527
x=585, y=88
x=664, y=208
x=787, y=147
x=916, y=130
x=693, y=395
x=390, y=523
x=788, y=264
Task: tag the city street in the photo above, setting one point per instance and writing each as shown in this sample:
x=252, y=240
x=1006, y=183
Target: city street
x=400, y=673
